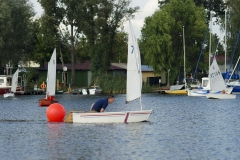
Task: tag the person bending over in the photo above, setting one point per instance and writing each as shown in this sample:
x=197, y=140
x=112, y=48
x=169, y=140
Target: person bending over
x=101, y=104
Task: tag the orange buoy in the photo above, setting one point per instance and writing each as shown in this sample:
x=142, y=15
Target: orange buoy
x=55, y=113
x=43, y=86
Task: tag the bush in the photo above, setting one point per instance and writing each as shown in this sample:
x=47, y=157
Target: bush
x=146, y=88
x=112, y=84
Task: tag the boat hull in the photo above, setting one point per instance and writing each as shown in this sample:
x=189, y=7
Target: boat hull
x=236, y=89
x=4, y=90
x=183, y=91
x=220, y=96
x=59, y=92
x=84, y=91
x=46, y=102
x=197, y=93
x=108, y=117
x=6, y=95
x=93, y=92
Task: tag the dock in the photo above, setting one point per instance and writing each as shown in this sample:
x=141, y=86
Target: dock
x=161, y=90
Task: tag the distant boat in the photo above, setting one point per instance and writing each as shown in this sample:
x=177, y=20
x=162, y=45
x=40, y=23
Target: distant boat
x=76, y=91
x=236, y=86
x=203, y=89
x=183, y=91
x=59, y=92
x=5, y=84
x=85, y=91
x=11, y=93
x=95, y=90
x=217, y=84
x=234, y=83
x=51, y=82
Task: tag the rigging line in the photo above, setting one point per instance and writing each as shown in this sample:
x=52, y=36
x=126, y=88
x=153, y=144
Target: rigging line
x=217, y=47
x=236, y=44
x=200, y=52
x=125, y=106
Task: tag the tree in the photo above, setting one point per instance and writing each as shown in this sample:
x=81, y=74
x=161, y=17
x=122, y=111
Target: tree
x=161, y=43
x=58, y=13
x=15, y=31
x=233, y=23
x=101, y=29
x=90, y=23
x=217, y=6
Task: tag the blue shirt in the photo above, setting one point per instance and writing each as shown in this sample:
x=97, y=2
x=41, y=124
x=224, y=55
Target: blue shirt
x=101, y=103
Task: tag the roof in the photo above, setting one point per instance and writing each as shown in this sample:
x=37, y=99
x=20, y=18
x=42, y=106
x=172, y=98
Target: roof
x=221, y=58
x=121, y=65
x=146, y=68
x=86, y=66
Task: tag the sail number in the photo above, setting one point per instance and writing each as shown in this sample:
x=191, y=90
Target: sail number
x=132, y=49
x=214, y=74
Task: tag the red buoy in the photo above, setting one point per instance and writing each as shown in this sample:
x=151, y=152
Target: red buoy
x=55, y=113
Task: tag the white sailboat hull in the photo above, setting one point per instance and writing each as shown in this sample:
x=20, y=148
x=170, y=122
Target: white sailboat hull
x=8, y=95
x=197, y=93
x=111, y=117
x=95, y=91
x=220, y=96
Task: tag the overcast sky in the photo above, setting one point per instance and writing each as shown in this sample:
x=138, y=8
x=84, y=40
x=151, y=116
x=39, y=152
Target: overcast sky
x=147, y=8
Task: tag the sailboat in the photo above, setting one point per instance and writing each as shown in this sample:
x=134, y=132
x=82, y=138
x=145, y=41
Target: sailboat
x=14, y=85
x=217, y=84
x=180, y=91
x=134, y=87
x=51, y=82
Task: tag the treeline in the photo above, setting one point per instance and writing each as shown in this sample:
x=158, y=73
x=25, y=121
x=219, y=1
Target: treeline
x=161, y=43
x=93, y=30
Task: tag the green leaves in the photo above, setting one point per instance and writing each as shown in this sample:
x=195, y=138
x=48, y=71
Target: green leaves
x=15, y=30
x=161, y=43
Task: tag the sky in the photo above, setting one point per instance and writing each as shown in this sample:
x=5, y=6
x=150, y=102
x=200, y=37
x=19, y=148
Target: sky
x=147, y=8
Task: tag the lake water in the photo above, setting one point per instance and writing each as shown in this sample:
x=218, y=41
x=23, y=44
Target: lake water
x=181, y=128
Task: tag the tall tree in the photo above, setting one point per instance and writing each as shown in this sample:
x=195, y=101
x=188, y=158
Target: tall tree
x=101, y=30
x=233, y=23
x=162, y=44
x=62, y=16
x=15, y=30
x=95, y=22
x=216, y=6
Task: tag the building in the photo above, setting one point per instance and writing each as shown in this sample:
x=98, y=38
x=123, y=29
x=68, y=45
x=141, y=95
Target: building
x=83, y=74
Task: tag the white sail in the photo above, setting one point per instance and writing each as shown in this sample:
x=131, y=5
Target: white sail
x=51, y=75
x=216, y=79
x=14, y=81
x=134, y=74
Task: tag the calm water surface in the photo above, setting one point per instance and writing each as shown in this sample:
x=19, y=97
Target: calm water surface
x=181, y=128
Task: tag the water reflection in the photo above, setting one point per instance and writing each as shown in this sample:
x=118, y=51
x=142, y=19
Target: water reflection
x=55, y=141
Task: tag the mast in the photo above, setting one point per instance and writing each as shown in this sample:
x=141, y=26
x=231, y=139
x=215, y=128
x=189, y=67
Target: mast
x=184, y=59
x=225, y=39
x=210, y=47
x=210, y=41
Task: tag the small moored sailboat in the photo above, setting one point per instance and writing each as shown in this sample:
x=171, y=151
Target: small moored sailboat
x=14, y=85
x=51, y=82
x=217, y=84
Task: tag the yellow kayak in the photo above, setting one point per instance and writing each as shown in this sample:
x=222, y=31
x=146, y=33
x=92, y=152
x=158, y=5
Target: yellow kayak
x=182, y=91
